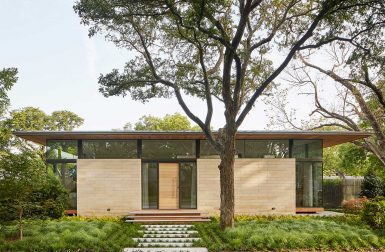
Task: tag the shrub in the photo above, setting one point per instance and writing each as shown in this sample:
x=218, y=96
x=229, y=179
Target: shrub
x=354, y=206
x=374, y=213
x=372, y=186
x=49, y=200
x=52, y=198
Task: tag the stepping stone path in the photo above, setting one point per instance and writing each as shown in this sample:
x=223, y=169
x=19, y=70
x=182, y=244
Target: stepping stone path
x=167, y=238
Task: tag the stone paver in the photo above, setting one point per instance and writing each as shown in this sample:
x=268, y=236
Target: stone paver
x=167, y=238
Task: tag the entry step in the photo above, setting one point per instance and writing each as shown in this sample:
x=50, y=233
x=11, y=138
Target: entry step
x=159, y=249
x=167, y=226
x=169, y=220
x=167, y=235
x=165, y=244
x=169, y=232
x=171, y=240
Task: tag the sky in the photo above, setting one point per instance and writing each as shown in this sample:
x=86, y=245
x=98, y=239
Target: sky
x=59, y=66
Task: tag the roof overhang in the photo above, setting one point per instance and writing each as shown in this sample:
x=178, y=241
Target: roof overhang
x=330, y=138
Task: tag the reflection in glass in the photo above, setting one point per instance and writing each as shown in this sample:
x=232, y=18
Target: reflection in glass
x=149, y=185
x=309, y=184
x=168, y=149
x=62, y=149
x=188, y=185
x=109, y=149
x=266, y=148
x=67, y=174
x=207, y=151
x=307, y=148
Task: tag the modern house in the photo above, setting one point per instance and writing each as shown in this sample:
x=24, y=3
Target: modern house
x=116, y=172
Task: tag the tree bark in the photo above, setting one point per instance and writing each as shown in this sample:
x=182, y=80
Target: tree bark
x=226, y=169
x=21, y=227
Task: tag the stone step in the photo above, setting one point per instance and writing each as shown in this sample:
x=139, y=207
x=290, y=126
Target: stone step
x=170, y=240
x=167, y=216
x=158, y=220
x=167, y=229
x=167, y=226
x=197, y=249
x=165, y=244
x=169, y=232
x=167, y=235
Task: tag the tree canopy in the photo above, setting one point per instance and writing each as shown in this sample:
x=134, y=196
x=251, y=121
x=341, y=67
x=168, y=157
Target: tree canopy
x=8, y=77
x=32, y=119
x=175, y=121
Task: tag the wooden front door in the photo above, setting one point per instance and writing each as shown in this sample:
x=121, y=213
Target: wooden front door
x=168, y=186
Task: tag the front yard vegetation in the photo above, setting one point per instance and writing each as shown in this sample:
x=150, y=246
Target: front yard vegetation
x=69, y=234
x=249, y=234
x=296, y=233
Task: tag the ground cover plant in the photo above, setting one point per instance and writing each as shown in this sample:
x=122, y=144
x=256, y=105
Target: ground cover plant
x=284, y=232
x=70, y=234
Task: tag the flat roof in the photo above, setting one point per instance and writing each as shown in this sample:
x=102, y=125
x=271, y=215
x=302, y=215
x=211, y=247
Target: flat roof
x=330, y=138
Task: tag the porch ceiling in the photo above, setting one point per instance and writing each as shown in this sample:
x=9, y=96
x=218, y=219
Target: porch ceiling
x=330, y=138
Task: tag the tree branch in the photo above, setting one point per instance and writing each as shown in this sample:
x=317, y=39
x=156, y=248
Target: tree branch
x=263, y=86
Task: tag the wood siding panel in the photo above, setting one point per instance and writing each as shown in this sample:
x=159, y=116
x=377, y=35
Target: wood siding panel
x=262, y=186
x=113, y=184
x=168, y=186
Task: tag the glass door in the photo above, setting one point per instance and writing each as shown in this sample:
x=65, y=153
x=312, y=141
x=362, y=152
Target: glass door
x=309, y=184
x=150, y=185
x=188, y=185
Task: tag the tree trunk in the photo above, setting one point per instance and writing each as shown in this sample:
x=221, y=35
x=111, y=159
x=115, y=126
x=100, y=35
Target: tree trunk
x=226, y=169
x=21, y=227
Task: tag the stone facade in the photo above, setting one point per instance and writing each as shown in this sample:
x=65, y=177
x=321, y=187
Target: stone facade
x=262, y=186
x=108, y=187
x=112, y=187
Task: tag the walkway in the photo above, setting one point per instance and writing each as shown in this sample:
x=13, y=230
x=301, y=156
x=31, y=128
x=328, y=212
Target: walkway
x=167, y=238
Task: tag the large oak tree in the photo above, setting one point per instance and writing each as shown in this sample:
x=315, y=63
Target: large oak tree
x=220, y=49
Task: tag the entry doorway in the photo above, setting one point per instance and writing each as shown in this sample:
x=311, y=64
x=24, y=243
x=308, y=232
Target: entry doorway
x=168, y=185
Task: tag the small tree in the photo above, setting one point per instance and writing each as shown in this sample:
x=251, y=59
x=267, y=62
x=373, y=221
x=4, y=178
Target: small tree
x=372, y=185
x=21, y=175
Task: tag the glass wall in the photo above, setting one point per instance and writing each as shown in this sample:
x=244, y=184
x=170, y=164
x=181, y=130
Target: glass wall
x=188, y=185
x=307, y=148
x=308, y=154
x=207, y=151
x=67, y=174
x=62, y=149
x=266, y=148
x=150, y=185
x=309, y=184
x=109, y=149
x=168, y=149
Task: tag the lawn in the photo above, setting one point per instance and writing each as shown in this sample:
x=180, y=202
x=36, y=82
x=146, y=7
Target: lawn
x=284, y=233
x=69, y=234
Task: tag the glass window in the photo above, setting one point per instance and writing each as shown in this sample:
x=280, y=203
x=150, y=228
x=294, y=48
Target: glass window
x=266, y=148
x=307, y=148
x=168, y=149
x=240, y=148
x=188, y=185
x=109, y=149
x=309, y=184
x=62, y=149
x=149, y=185
x=207, y=151
x=67, y=174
